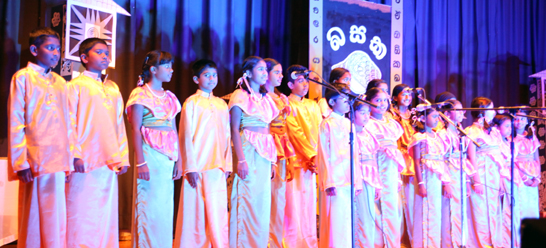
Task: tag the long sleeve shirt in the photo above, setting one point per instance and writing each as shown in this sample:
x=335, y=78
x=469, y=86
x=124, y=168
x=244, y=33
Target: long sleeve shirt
x=96, y=112
x=39, y=125
x=334, y=154
x=205, y=138
x=303, y=128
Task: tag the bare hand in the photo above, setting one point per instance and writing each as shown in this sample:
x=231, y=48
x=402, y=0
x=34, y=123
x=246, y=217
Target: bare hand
x=122, y=170
x=228, y=173
x=289, y=172
x=478, y=188
x=192, y=178
x=422, y=190
x=177, y=171
x=242, y=170
x=358, y=191
x=535, y=183
x=377, y=194
x=143, y=172
x=79, y=166
x=273, y=171
x=331, y=191
x=448, y=191
x=67, y=178
x=25, y=176
x=312, y=167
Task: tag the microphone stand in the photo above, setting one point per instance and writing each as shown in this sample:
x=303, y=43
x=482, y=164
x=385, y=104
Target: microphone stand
x=353, y=98
x=513, y=113
x=462, y=134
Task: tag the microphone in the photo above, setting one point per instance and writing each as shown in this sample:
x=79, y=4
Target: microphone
x=423, y=107
x=296, y=74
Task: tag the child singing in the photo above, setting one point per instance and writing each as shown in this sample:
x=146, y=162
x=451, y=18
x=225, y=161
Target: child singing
x=428, y=149
x=151, y=110
x=39, y=153
x=334, y=160
x=206, y=163
x=390, y=162
x=367, y=203
x=251, y=112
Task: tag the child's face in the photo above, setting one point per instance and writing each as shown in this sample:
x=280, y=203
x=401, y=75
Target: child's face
x=432, y=119
x=490, y=114
x=520, y=122
x=404, y=98
x=384, y=87
x=275, y=75
x=164, y=72
x=381, y=100
x=456, y=116
x=48, y=54
x=96, y=59
x=207, y=80
x=340, y=105
x=259, y=73
x=345, y=79
x=362, y=116
x=300, y=86
x=505, y=128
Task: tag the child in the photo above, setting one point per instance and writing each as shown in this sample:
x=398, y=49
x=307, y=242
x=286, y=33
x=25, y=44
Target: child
x=503, y=128
x=367, y=222
x=206, y=162
x=528, y=164
x=285, y=154
x=301, y=192
x=455, y=223
x=390, y=163
x=402, y=97
x=39, y=153
x=431, y=177
x=155, y=143
x=337, y=75
x=334, y=160
x=101, y=152
x=251, y=112
x=485, y=209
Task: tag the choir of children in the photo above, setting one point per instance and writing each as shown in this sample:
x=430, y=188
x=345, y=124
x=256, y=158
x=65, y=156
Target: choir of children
x=412, y=175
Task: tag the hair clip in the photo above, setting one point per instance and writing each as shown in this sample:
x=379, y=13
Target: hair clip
x=140, y=81
x=146, y=60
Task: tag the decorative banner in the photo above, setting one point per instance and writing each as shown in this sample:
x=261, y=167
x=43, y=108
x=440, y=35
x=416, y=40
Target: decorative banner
x=352, y=34
x=397, y=42
x=91, y=18
x=537, y=93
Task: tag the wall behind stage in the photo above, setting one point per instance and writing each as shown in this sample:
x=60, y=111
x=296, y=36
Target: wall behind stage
x=225, y=31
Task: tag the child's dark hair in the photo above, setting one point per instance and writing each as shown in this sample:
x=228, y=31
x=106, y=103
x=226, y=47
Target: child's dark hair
x=397, y=90
x=336, y=74
x=499, y=119
x=358, y=105
x=372, y=93
x=530, y=132
x=87, y=44
x=375, y=84
x=200, y=65
x=334, y=94
x=418, y=125
x=294, y=68
x=444, y=96
x=248, y=65
x=154, y=58
x=481, y=102
x=270, y=63
x=450, y=106
x=39, y=35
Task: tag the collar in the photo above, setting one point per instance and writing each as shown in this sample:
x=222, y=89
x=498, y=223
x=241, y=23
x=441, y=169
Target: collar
x=95, y=76
x=39, y=69
x=336, y=115
x=295, y=98
x=204, y=94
